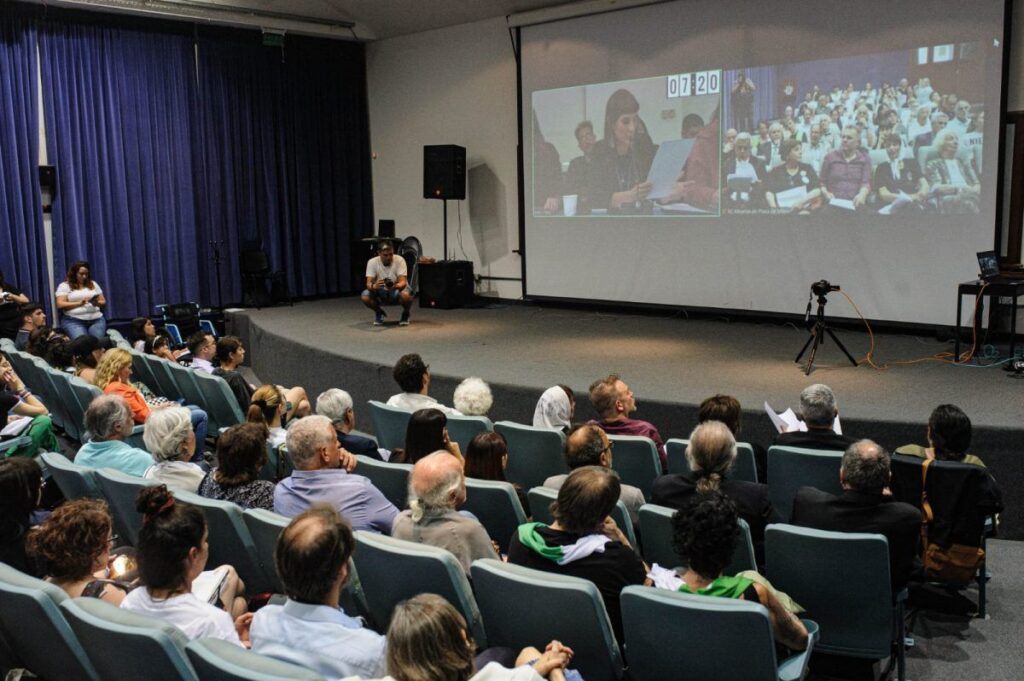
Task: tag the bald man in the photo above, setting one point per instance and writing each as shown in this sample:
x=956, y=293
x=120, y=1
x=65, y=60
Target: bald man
x=437, y=487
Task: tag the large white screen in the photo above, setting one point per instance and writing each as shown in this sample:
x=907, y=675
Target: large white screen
x=896, y=225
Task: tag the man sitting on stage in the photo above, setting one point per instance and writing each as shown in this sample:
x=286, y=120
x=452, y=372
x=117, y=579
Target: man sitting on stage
x=387, y=284
x=614, y=402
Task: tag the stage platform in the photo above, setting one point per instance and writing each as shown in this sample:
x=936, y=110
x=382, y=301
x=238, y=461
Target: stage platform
x=670, y=362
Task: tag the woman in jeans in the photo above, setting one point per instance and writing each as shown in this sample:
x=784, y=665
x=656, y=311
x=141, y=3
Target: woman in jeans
x=81, y=302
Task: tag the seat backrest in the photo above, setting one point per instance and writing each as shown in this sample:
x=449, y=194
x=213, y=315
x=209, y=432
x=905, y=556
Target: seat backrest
x=878, y=157
x=219, y=403
x=265, y=527
x=709, y=632
x=75, y=481
x=36, y=374
x=185, y=383
x=496, y=505
x=158, y=367
x=143, y=371
x=121, y=490
x=521, y=606
x=841, y=577
x=389, y=424
x=635, y=459
x=961, y=496
x=230, y=541
x=35, y=628
x=216, y=660
x=7, y=345
x=744, y=468
x=73, y=410
x=656, y=529
x=85, y=392
x=392, y=479
x=790, y=468
x=392, y=570
x=534, y=454
x=126, y=645
x=462, y=429
x=541, y=499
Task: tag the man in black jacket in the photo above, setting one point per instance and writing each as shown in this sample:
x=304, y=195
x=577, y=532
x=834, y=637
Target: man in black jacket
x=819, y=412
x=865, y=505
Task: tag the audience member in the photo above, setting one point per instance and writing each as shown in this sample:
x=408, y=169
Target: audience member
x=230, y=354
x=73, y=545
x=413, y=377
x=742, y=164
x=21, y=488
x=846, y=172
x=727, y=409
x=792, y=174
x=900, y=176
x=428, y=641
x=11, y=300
x=579, y=167
x=160, y=346
x=336, y=404
x=323, y=475
x=473, y=397
x=437, y=487
x=311, y=629
x=927, y=139
x=949, y=437
x=81, y=302
x=951, y=178
x=427, y=432
x=588, y=445
x=770, y=150
x=711, y=455
x=141, y=330
x=87, y=351
x=704, y=534
x=584, y=541
x=614, y=402
x=865, y=506
x=18, y=401
x=268, y=406
x=555, y=408
x=487, y=458
x=241, y=456
x=169, y=438
x=818, y=411
x=109, y=421
x=32, y=317
x=172, y=551
x=202, y=347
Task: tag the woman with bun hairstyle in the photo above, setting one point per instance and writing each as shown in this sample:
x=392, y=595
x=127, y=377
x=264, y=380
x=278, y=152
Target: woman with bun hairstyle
x=73, y=545
x=268, y=407
x=171, y=552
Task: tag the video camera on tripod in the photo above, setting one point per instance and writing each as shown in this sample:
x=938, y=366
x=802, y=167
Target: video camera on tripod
x=823, y=287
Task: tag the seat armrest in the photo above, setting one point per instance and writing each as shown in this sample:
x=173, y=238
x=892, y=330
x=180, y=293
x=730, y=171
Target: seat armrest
x=793, y=668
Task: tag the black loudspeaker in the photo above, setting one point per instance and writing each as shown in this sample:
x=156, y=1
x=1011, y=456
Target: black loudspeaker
x=386, y=228
x=444, y=172
x=447, y=284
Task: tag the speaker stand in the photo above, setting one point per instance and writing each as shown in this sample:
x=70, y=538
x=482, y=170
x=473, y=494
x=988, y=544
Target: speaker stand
x=445, y=202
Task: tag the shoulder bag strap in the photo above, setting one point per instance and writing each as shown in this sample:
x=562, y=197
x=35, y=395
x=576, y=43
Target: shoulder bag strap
x=926, y=508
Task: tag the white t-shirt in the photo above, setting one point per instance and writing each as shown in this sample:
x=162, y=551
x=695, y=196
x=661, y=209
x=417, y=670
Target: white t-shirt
x=376, y=270
x=185, y=611
x=87, y=312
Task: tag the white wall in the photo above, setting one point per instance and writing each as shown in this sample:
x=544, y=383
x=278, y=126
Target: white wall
x=450, y=86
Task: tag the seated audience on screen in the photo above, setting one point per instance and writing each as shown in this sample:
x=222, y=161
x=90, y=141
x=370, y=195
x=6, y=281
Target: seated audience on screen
x=742, y=164
x=793, y=174
x=576, y=177
x=900, y=178
x=952, y=179
x=846, y=172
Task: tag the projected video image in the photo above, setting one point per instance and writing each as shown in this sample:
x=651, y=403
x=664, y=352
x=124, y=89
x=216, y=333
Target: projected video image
x=893, y=133
x=890, y=133
x=638, y=147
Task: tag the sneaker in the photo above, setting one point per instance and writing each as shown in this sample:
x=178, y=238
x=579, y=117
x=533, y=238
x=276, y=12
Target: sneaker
x=405, y=320
x=378, y=319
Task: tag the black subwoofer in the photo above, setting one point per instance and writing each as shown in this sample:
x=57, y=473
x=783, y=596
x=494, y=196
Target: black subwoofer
x=447, y=284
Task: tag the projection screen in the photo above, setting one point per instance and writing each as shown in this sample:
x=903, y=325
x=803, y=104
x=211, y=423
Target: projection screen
x=737, y=152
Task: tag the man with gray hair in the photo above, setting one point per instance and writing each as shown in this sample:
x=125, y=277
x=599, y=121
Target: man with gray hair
x=866, y=505
x=323, y=475
x=819, y=412
x=437, y=487
x=109, y=420
x=336, y=404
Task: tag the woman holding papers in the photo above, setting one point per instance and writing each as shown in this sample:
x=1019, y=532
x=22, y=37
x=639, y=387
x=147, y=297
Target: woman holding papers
x=172, y=550
x=793, y=185
x=621, y=159
x=901, y=186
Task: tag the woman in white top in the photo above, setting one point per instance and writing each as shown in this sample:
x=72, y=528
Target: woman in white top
x=172, y=551
x=81, y=302
x=952, y=179
x=172, y=442
x=428, y=641
x=269, y=407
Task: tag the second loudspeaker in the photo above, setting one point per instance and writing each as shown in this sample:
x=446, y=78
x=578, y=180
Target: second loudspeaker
x=444, y=172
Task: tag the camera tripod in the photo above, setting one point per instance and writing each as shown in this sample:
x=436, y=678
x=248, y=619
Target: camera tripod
x=817, y=336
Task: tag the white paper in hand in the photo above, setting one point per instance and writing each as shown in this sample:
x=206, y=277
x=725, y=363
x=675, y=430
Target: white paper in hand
x=208, y=584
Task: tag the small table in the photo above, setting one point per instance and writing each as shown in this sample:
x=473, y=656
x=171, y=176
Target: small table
x=1009, y=288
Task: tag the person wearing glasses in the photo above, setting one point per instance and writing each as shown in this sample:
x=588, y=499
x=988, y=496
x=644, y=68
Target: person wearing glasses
x=588, y=445
x=202, y=347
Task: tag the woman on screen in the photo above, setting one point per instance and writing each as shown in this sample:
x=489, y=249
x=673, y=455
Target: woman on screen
x=793, y=185
x=952, y=179
x=621, y=162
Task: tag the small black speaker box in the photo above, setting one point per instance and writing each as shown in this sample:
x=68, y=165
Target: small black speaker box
x=444, y=172
x=386, y=229
x=447, y=284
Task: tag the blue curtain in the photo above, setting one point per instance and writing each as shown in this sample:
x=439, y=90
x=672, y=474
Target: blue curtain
x=284, y=156
x=22, y=243
x=766, y=81
x=119, y=104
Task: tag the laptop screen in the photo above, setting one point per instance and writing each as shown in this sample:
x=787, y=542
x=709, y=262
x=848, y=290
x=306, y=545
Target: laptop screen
x=988, y=263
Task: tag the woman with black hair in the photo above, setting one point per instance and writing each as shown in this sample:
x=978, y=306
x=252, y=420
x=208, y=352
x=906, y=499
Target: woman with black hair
x=486, y=459
x=704, y=534
x=21, y=487
x=81, y=302
x=171, y=553
x=621, y=159
x=11, y=300
x=426, y=433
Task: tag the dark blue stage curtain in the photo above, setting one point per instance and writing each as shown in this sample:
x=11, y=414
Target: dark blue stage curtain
x=22, y=247
x=119, y=102
x=285, y=156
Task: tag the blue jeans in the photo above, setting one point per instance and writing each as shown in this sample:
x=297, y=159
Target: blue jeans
x=383, y=296
x=199, y=423
x=76, y=327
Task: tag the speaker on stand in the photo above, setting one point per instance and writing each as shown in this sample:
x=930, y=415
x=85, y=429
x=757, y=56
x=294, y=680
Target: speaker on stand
x=447, y=284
